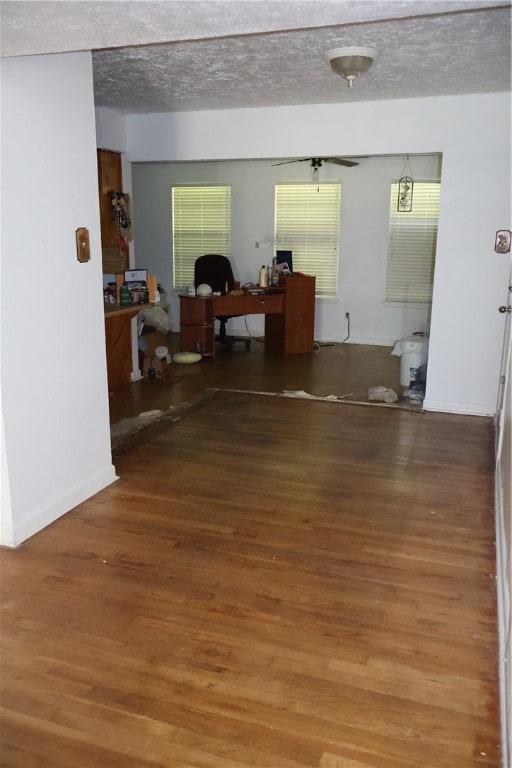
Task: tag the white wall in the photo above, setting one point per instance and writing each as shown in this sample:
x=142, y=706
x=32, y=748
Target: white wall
x=6, y=522
x=363, y=242
x=54, y=382
x=472, y=133
x=110, y=132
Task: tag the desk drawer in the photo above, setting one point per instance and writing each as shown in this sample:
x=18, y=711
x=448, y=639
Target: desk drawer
x=249, y=305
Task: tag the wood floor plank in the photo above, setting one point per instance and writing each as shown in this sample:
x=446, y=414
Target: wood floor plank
x=271, y=583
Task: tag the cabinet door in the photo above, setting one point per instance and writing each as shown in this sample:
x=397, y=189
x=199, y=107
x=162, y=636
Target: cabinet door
x=197, y=325
x=118, y=339
x=109, y=178
x=293, y=331
x=300, y=314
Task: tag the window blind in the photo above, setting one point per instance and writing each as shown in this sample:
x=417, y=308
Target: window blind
x=201, y=223
x=412, y=244
x=307, y=222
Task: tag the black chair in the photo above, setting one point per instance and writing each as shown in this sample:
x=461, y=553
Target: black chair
x=215, y=270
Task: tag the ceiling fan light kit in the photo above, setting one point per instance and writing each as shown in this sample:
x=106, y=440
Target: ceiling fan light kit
x=350, y=62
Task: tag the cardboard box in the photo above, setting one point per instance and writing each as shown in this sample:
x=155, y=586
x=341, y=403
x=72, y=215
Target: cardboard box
x=154, y=368
x=150, y=341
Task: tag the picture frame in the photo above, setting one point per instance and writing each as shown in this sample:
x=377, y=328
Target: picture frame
x=135, y=275
x=283, y=269
x=137, y=282
x=502, y=241
x=285, y=260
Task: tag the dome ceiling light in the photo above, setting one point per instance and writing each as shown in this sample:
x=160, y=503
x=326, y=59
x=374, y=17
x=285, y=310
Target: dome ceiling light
x=349, y=63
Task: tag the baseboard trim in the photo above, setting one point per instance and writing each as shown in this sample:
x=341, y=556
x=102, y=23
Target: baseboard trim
x=329, y=339
x=370, y=342
x=7, y=535
x=464, y=409
x=59, y=507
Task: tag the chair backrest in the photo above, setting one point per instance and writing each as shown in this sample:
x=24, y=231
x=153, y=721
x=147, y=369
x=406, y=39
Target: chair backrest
x=214, y=270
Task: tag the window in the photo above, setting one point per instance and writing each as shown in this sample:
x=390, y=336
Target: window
x=307, y=222
x=412, y=244
x=201, y=223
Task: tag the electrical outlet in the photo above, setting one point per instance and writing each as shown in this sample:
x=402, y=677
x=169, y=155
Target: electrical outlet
x=347, y=315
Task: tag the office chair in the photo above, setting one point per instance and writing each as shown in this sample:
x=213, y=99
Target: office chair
x=215, y=270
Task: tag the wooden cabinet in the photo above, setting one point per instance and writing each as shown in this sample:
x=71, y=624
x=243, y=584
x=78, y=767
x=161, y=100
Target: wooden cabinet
x=234, y=306
x=118, y=342
x=197, y=325
x=110, y=177
x=118, y=336
x=292, y=332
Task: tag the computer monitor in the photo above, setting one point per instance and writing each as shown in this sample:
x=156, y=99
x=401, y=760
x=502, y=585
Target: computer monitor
x=285, y=258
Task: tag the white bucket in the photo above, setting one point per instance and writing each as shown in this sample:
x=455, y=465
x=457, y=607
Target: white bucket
x=414, y=353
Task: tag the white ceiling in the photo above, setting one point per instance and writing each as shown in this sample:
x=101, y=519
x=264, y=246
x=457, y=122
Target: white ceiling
x=193, y=55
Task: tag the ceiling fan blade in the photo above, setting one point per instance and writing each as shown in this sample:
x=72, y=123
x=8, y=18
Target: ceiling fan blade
x=340, y=161
x=316, y=162
x=285, y=162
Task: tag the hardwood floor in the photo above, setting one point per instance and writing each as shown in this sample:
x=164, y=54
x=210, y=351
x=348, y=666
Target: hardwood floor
x=271, y=582
x=346, y=370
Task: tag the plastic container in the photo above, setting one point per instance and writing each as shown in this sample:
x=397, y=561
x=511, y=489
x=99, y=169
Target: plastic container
x=125, y=298
x=414, y=354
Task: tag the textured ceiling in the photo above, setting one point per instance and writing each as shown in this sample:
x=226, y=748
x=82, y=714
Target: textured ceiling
x=194, y=55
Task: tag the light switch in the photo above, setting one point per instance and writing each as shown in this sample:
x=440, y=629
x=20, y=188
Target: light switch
x=83, y=251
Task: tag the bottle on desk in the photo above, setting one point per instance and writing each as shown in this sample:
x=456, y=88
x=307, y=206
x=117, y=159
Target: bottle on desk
x=273, y=277
x=124, y=295
x=263, y=277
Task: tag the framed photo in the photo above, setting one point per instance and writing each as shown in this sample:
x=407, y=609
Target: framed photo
x=283, y=268
x=136, y=276
x=502, y=242
x=137, y=282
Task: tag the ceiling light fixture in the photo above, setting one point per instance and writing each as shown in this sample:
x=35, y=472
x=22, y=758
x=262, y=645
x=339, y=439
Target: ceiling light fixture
x=349, y=63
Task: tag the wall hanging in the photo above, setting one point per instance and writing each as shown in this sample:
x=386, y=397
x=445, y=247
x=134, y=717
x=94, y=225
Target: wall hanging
x=405, y=188
x=121, y=215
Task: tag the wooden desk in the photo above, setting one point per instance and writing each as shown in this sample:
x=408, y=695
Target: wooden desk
x=289, y=317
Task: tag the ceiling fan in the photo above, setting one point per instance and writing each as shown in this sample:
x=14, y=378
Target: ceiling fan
x=316, y=162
